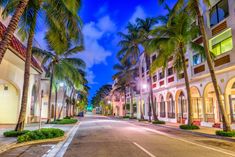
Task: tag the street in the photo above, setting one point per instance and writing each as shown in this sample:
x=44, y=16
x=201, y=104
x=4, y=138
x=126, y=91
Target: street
x=102, y=137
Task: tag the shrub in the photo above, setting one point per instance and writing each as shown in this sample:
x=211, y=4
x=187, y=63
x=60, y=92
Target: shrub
x=189, y=127
x=142, y=120
x=224, y=133
x=67, y=117
x=13, y=133
x=126, y=117
x=158, y=122
x=45, y=133
x=65, y=121
x=132, y=118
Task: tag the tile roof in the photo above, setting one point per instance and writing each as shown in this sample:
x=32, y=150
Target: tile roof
x=20, y=49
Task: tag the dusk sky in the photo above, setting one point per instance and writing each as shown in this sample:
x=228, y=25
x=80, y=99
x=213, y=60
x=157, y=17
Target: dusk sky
x=102, y=20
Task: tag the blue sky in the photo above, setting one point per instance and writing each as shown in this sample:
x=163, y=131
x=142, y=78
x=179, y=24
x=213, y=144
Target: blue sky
x=102, y=20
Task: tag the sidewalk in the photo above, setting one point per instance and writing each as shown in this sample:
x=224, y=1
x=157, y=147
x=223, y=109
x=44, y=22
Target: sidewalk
x=8, y=140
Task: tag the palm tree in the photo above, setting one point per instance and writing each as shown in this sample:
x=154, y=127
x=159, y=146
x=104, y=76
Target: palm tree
x=9, y=33
x=193, y=6
x=125, y=78
x=144, y=28
x=59, y=63
x=28, y=22
x=100, y=95
x=172, y=40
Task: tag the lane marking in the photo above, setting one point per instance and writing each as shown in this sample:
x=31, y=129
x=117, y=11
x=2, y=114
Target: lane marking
x=186, y=141
x=143, y=149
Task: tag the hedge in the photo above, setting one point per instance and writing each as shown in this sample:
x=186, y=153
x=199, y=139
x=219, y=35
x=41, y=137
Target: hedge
x=13, y=133
x=65, y=121
x=158, y=122
x=126, y=117
x=45, y=133
x=189, y=127
x=226, y=134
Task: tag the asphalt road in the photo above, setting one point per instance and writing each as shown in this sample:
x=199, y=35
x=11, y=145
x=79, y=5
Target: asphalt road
x=98, y=136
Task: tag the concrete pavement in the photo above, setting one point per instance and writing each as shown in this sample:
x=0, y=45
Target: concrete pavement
x=102, y=137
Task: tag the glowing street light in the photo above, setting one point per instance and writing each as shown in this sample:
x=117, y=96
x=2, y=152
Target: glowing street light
x=144, y=86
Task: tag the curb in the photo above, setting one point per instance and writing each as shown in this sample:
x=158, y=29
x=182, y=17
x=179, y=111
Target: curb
x=16, y=145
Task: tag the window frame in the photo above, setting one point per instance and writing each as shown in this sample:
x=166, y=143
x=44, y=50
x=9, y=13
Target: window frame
x=217, y=13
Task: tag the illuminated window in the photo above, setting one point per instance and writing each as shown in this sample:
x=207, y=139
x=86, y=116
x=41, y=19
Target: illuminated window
x=222, y=43
x=223, y=46
x=219, y=12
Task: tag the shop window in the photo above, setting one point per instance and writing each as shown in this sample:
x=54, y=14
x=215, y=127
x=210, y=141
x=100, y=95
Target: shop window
x=197, y=59
x=219, y=12
x=222, y=43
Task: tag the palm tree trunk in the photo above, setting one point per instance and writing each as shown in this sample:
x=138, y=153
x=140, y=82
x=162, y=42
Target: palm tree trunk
x=24, y=100
x=125, y=101
x=50, y=93
x=70, y=103
x=190, y=115
x=131, y=103
x=155, y=118
x=56, y=94
x=9, y=33
x=225, y=119
x=62, y=104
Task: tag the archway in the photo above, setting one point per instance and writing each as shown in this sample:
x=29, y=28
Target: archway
x=197, y=104
x=230, y=98
x=9, y=103
x=170, y=105
x=162, y=106
x=211, y=107
x=182, y=106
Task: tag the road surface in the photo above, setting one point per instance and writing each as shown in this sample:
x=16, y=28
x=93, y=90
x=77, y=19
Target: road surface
x=102, y=137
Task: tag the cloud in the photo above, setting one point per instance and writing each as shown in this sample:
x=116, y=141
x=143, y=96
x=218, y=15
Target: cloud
x=139, y=13
x=90, y=77
x=95, y=53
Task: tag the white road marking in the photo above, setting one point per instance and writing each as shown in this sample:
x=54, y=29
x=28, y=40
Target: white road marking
x=196, y=144
x=143, y=149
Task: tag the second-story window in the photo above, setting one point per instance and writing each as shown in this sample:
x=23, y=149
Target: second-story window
x=197, y=59
x=155, y=78
x=161, y=75
x=219, y=12
x=170, y=71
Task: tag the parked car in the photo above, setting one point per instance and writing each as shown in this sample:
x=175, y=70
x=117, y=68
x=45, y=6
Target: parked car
x=81, y=114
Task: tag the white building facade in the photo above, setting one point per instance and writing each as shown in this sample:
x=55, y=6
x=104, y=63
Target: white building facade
x=169, y=88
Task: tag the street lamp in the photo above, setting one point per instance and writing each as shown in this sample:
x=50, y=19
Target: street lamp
x=144, y=86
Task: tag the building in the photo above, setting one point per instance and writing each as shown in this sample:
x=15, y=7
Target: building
x=169, y=88
x=11, y=83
